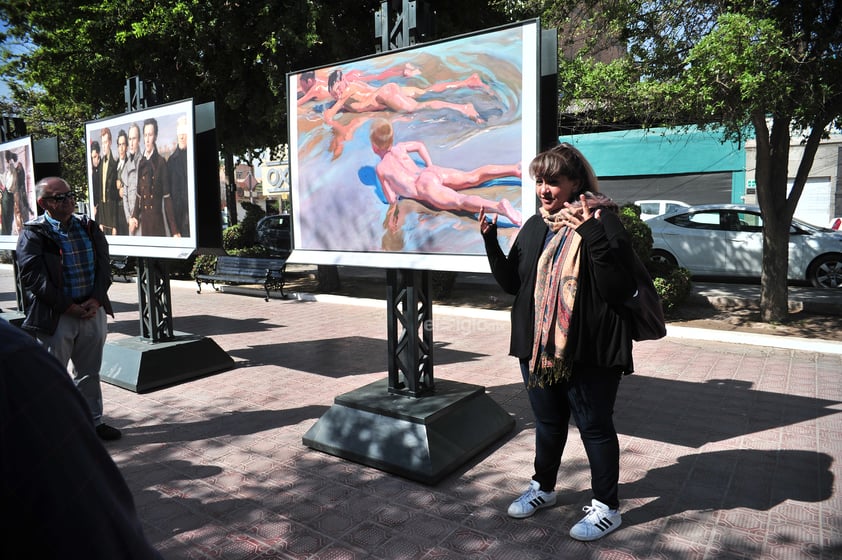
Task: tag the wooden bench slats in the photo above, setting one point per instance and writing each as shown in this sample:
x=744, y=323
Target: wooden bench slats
x=247, y=270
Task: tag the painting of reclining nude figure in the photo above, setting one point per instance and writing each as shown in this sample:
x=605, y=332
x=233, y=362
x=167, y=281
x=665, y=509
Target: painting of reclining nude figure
x=392, y=157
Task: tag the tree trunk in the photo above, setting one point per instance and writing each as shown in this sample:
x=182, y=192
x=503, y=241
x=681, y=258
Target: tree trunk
x=771, y=176
x=774, y=295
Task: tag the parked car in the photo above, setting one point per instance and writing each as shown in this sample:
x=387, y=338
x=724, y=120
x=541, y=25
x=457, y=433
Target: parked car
x=727, y=240
x=275, y=234
x=651, y=208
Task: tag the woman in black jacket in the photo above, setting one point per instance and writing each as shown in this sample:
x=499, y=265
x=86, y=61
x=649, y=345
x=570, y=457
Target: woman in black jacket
x=568, y=269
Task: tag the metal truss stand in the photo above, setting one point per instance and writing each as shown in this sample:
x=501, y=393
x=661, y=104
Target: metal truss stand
x=410, y=311
x=160, y=356
x=410, y=425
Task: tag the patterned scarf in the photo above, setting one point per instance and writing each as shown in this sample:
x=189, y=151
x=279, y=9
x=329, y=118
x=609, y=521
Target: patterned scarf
x=555, y=292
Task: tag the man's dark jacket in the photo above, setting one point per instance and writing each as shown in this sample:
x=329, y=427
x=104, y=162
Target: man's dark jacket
x=40, y=270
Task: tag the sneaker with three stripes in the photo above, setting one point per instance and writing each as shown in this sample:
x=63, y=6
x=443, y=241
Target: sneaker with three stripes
x=531, y=501
x=598, y=522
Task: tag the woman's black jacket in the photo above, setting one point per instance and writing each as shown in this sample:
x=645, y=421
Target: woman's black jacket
x=599, y=336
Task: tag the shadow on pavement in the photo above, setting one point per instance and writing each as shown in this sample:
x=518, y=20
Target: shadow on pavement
x=693, y=414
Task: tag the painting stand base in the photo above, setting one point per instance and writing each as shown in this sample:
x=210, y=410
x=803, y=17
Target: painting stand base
x=141, y=366
x=14, y=317
x=422, y=439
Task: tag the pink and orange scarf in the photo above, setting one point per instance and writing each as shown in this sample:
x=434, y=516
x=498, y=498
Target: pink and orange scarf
x=555, y=292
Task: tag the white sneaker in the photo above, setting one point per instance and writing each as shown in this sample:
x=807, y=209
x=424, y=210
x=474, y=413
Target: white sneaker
x=531, y=501
x=598, y=522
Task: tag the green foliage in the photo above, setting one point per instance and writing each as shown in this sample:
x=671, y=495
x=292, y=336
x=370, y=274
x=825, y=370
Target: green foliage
x=250, y=251
x=204, y=264
x=672, y=283
x=680, y=62
x=673, y=287
x=233, y=238
x=241, y=239
x=641, y=235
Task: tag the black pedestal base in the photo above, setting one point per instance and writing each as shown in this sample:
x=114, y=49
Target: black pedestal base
x=13, y=317
x=139, y=365
x=422, y=439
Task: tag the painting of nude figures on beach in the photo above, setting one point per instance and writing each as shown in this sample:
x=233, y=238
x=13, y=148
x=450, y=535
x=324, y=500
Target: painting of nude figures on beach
x=392, y=157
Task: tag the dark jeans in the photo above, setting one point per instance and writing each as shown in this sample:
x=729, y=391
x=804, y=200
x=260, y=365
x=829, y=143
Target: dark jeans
x=589, y=395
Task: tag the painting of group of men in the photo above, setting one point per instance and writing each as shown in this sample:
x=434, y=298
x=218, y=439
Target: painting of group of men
x=142, y=190
x=16, y=197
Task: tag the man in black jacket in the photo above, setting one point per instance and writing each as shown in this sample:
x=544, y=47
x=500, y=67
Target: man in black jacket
x=65, y=270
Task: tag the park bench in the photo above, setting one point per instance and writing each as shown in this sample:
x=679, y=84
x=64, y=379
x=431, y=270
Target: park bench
x=267, y=272
x=122, y=266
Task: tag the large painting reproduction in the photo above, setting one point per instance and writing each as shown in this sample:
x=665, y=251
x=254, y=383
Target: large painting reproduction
x=393, y=156
x=141, y=181
x=17, y=189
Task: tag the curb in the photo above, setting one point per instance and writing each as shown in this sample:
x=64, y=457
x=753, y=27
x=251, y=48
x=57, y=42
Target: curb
x=725, y=302
x=675, y=332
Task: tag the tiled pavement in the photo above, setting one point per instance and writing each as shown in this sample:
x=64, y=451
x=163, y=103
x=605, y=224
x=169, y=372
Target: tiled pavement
x=728, y=450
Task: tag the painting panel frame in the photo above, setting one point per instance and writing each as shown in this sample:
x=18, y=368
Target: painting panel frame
x=469, y=124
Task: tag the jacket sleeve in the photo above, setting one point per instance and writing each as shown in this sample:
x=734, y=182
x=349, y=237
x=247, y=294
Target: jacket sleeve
x=503, y=268
x=33, y=255
x=102, y=265
x=608, y=245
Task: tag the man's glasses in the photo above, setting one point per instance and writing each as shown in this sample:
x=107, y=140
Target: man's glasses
x=59, y=197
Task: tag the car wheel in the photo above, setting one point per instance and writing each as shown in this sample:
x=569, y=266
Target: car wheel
x=661, y=256
x=826, y=272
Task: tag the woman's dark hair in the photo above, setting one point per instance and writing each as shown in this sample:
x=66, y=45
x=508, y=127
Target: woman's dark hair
x=564, y=160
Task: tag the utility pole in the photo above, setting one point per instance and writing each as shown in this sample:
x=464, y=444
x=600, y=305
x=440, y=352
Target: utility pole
x=402, y=23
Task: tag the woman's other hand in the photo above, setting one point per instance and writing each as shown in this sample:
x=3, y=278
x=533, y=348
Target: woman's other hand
x=573, y=216
x=486, y=223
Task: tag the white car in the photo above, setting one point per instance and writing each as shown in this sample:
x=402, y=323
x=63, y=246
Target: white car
x=727, y=240
x=651, y=208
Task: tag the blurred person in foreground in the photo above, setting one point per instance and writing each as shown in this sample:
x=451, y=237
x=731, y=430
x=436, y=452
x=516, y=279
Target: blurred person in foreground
x=61, y=494
x=570, y=269
x=65, y=272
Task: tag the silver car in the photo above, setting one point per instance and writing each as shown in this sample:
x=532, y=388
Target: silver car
x=727, y=240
